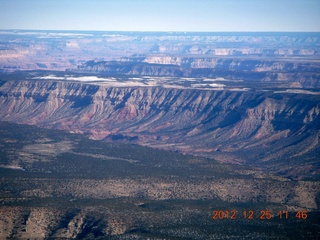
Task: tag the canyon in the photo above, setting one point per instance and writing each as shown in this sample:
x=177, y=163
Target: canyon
x=134, y=135
x=274, y=130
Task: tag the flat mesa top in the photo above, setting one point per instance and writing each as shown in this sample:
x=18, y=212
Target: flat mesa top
x=234, y=61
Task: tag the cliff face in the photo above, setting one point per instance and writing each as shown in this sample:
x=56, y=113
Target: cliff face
x=236, y=63
x=253, y=127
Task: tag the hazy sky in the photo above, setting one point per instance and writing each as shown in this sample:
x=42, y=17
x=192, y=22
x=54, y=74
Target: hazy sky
x=161, y=15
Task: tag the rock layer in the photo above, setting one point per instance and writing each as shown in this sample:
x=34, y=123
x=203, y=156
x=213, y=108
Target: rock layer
x=277, y=131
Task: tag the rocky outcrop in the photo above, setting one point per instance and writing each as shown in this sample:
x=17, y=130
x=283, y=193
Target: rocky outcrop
x=54, y=222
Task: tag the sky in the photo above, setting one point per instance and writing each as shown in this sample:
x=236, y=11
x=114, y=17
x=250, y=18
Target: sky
x=162, y=15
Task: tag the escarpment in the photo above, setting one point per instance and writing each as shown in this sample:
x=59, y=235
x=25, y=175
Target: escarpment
x=262, y=128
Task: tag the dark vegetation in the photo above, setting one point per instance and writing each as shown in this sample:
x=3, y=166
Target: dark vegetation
x=96, y=160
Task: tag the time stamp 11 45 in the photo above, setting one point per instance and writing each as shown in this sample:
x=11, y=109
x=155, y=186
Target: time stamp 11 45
x=262, y=214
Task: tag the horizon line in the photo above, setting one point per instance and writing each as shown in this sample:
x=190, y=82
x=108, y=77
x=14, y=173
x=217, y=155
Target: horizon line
x=149, y=31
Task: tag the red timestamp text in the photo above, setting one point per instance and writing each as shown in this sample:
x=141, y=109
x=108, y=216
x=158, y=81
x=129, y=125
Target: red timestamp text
x=262, y=214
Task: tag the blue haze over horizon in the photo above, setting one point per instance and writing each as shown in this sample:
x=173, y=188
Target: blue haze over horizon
x=162, y=15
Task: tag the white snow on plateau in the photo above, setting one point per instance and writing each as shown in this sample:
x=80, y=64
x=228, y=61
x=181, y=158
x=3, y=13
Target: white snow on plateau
x=147, y=81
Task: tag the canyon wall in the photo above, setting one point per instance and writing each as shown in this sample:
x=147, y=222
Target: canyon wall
x=257, y=127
